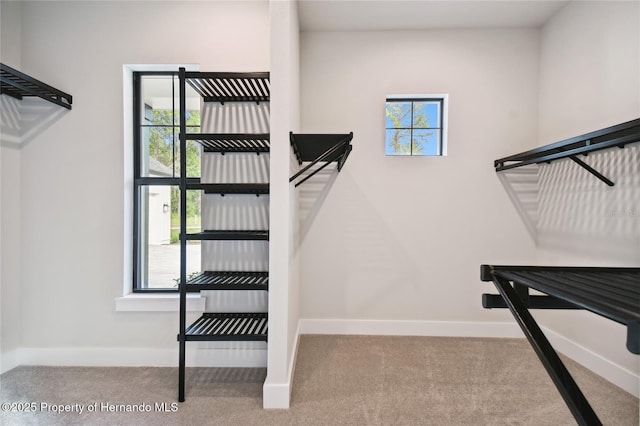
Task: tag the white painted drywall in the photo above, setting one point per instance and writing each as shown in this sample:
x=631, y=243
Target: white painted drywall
x=403, y=238
x=283, y=283
x=10, y=301
x=72, y=174
x=590, y=79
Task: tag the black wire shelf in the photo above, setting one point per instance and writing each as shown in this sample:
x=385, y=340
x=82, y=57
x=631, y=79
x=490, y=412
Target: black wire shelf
x=613, y=293
x=228, y=280
x=319, y=148
x=17, y=85
x=615, y=136
x=228, y=327
x=229, y=235
x=230, y=86
x=229, y=188
x=232, y=142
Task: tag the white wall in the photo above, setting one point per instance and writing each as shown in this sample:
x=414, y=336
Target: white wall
x=403, y=238
x=10, y=13
x=590, y=79
x=72, y=175
x=283, y=263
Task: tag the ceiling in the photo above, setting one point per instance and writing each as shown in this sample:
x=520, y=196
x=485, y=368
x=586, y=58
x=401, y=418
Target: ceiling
x=381, y=15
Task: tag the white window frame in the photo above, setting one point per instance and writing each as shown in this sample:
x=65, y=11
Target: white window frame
x=130, y=301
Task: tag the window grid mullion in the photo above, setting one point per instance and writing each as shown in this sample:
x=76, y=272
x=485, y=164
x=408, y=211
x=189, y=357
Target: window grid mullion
x=438, y=125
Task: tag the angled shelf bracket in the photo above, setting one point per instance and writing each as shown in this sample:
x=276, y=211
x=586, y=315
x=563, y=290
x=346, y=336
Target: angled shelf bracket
x=18, y=85
x=619, y=135
x=319, y=148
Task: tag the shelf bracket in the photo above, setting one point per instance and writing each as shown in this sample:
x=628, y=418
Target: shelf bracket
x=592, y=170
x=614, y=136
x=330, y=155
x=571, y=393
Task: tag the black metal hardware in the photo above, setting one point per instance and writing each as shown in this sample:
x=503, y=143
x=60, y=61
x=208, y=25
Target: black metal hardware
x=230, y=87
x=220, y=87
x=231, y=188
x=592, y=170
x=182, y=338
x=619, y=135
x=490, y=301
x=212, y=280
x=229, y=235
x=17, y=84
x=613, y=293
x=232, y=142
x=229, y=327
x=318, y=148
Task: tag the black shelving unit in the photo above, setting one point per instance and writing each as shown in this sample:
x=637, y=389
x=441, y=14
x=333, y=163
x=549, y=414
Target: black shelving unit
x=223, y=88
x=319, y=148
x=613, y=293
x=225, y=235
x=230, y=86
x=228, y=327
x=229, y=188
x=228, y=280
x=18, y=85
x=232, y=142
x=615, y=136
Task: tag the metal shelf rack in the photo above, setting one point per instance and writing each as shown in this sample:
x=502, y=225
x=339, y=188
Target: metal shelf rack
x=228, y=327
x=223, y=88
x=232, y=142
x=226, y=280
x=17, y=84
x=614, y=136
x=613, y=293
x=319, y=148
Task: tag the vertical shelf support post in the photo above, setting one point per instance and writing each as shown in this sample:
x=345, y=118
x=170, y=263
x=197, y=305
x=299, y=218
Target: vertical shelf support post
x=183, y=235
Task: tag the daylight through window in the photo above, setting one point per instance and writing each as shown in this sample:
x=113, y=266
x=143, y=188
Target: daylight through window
x=415, y=125
x=157, y=179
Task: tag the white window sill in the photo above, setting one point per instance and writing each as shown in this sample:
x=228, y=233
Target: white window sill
x=158, y=302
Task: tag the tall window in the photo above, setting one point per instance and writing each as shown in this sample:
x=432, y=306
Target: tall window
x=415, y=125
x=156, y=178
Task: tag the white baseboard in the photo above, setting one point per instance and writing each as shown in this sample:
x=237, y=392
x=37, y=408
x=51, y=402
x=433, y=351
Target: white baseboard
x=278, y=395
x=410, y=328
x=139, y=357
x=605, y=368
x=9, y=360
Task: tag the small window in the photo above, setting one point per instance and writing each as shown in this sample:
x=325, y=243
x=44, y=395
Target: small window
x=415, y=125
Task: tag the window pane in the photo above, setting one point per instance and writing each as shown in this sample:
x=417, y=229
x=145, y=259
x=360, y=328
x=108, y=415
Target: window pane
x=156, y=151
x=426, y=142
x=398, y=142
x=398, y=115
x=426, y=115
x=193, y=103
x=156, y=99
x=159, y=232
x=156, y=132
x=194, y=155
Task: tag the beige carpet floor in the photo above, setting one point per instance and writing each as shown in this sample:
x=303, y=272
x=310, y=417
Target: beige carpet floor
x=339, y=380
